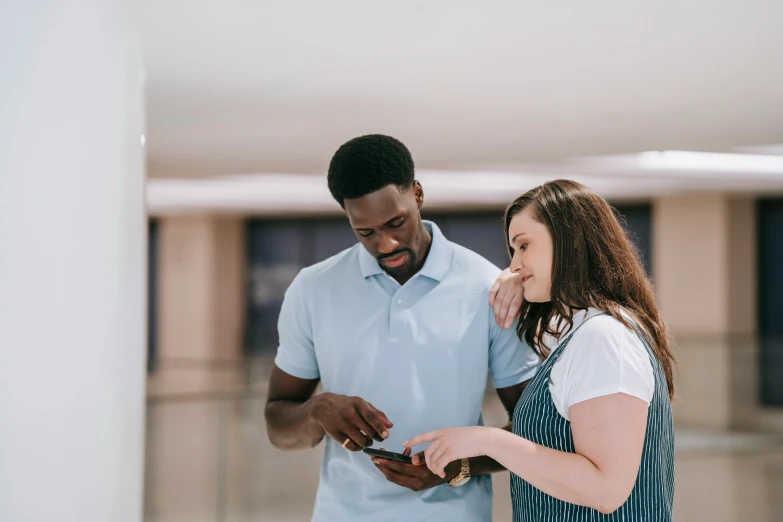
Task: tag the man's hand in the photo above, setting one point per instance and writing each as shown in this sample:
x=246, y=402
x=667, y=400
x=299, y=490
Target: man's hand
x=416, y=476
x=506, y=297
x=353, y=418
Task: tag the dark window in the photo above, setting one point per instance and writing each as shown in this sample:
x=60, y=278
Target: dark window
x=278, y=249
x=637, y=220
x=152, y=296
x=770, y=277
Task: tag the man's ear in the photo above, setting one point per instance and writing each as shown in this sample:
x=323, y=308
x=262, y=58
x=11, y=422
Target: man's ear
x=418, y=192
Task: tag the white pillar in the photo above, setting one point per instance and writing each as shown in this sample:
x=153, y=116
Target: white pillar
x=72, y=262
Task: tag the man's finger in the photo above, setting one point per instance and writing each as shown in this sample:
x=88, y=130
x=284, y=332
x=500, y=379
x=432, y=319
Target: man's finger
x=399, y=479
x=386, y=472
x=384, y=418
x=341, y=437
x=390, y=464
x=402, y=468
x=358, y=438
x=362, y=424
x=418, y=459
x=376, y=419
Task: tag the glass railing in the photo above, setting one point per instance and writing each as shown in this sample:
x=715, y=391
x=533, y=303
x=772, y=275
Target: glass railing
x=208, y=458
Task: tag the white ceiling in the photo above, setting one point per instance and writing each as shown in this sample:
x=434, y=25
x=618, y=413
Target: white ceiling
x=238, y=86
x=620, y=178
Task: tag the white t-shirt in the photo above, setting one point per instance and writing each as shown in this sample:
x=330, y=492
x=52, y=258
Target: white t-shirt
x=602, y=358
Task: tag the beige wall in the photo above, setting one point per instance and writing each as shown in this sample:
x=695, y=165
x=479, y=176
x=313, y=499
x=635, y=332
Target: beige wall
x=704, y=267
x=690, y=263
x=742, y=281
x=201, y=287
x=229, y=285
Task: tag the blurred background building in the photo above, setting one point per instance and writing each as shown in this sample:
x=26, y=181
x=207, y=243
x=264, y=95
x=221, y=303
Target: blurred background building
x=672, y=110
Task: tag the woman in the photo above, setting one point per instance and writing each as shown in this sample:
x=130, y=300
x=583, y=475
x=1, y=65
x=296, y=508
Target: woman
x=593, y=432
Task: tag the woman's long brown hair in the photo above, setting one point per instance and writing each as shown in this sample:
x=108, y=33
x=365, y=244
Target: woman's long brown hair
x=594, y=265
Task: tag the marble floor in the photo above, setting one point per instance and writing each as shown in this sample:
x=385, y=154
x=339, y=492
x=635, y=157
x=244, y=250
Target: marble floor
x=208, y=458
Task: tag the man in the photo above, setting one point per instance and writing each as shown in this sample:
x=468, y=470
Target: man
x=398, y=331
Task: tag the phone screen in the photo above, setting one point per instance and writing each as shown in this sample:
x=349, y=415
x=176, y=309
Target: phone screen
x=388, y=455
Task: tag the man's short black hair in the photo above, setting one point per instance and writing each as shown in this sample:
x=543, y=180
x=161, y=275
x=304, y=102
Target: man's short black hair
x=367, y=164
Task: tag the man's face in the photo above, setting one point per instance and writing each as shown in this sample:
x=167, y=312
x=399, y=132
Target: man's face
x=388, y=224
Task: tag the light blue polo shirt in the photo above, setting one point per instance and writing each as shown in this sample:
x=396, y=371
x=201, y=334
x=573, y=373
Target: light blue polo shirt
x=419, y=352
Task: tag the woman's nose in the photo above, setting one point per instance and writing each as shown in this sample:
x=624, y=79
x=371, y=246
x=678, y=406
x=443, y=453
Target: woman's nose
x=516, y=264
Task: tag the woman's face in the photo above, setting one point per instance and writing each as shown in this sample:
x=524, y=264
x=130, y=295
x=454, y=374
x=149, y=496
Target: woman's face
x=532, y=250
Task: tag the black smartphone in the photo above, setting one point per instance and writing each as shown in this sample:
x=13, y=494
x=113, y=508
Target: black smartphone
x=399, y=457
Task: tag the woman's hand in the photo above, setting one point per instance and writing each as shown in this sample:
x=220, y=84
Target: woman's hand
x=452, y=444
x=506, y=298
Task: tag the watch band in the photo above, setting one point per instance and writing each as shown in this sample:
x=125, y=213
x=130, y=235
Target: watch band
x=463, y=474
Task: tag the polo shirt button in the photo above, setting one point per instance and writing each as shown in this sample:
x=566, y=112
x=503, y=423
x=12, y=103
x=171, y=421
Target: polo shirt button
x=399, y=301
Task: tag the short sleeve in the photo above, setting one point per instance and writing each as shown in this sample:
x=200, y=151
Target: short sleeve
x=511, y=361
x=602, y=358
x=296, y=352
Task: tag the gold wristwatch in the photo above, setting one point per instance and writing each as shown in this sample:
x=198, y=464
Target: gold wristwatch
x=463, y=477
